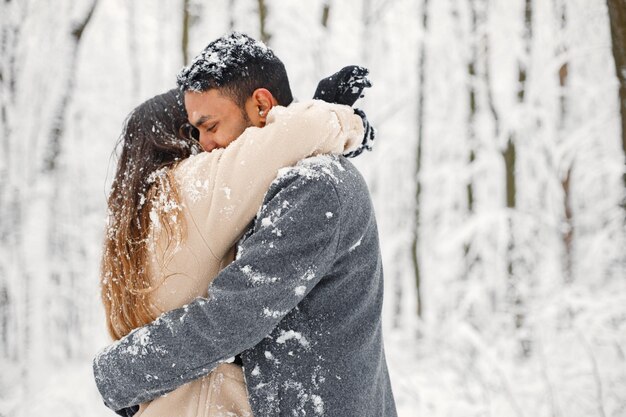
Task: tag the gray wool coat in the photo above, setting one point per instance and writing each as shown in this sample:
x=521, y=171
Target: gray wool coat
x=301, y=304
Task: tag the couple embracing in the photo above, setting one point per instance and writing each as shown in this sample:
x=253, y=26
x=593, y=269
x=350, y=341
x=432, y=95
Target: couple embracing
x=241, y=272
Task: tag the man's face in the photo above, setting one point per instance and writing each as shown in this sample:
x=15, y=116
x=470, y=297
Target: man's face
x=218, y=118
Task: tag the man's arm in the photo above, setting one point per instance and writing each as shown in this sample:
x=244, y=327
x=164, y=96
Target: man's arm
x=292, y=247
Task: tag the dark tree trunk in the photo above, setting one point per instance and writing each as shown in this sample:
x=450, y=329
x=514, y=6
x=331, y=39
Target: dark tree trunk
x=568, y=234
x=617, y=16
x=510, y=159
x=472, y=81
x=325, y=13
x=421, y=101
x=472, y=77
x=509, y=154
x=265, y=35
x=184, y=44
x=568, y=214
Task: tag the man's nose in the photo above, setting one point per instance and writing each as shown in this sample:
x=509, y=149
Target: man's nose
x=207, y=143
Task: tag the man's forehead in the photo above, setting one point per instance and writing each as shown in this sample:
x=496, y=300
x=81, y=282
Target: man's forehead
x=211, y=100
x=199, y=105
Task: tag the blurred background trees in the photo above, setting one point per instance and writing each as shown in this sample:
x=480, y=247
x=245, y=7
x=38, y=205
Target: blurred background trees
x=497, y=178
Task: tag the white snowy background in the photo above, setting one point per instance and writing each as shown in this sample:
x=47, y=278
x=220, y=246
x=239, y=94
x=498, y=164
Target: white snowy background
x=496, y=179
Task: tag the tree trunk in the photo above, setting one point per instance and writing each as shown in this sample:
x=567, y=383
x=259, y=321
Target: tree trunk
x=133, y=53
x=13, y=278
x=617, y=16
x=265, y=35
x=472, y=78
x=231, y=15
x=495, y=117
x=184, y=44
x=58, y=127
x=568, y=233
x=62, y=313
x=325, y=13
x=421, y=101
x=568, y=215
x=472, y=81
x=509, y=154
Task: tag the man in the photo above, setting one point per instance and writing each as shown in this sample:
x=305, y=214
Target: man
x=301, y=304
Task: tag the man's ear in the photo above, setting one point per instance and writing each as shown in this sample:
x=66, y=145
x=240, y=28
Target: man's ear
x=258, y=105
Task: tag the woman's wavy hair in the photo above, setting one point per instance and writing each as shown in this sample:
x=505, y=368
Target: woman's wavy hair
x=156, y=135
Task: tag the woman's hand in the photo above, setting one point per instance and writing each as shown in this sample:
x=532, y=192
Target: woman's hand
x=346, y=87
x=343, y=87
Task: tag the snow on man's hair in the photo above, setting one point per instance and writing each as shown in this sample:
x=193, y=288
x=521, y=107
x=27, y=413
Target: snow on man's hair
x=237, y=64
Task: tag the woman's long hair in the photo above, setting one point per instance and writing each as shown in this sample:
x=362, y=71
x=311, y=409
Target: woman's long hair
x=143, y=200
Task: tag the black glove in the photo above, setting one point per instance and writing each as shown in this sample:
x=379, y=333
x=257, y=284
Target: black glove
x=343, y=87
x=368, y=137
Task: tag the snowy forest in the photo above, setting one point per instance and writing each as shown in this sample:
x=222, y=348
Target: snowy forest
x=498, y=179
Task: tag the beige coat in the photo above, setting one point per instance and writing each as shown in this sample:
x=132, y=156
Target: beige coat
x=220, y=194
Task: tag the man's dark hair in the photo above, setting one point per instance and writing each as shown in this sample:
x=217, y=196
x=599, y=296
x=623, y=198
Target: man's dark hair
x=237, y=65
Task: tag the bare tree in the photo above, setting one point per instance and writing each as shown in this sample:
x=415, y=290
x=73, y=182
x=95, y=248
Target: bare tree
x=568, y=214
x=231, y=14
x=509, y=155
x=191, y=14
x=54, y=144
x=617, y=16
x=263, y=33
x=568, y=232
x=61, y=279
x=325, y=13
x=367, y=14
x=133, y=53
x=184, y=44
x=421, y=101
x=10, y=204
x=472, y=83
x=496, y=119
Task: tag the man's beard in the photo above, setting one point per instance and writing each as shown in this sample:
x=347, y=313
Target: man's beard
x=246, y=120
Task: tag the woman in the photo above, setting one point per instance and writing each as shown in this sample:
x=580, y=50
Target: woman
x=175, y=214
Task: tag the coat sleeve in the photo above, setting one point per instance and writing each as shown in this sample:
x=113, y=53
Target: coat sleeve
x=292, y=246
x=240, y=174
